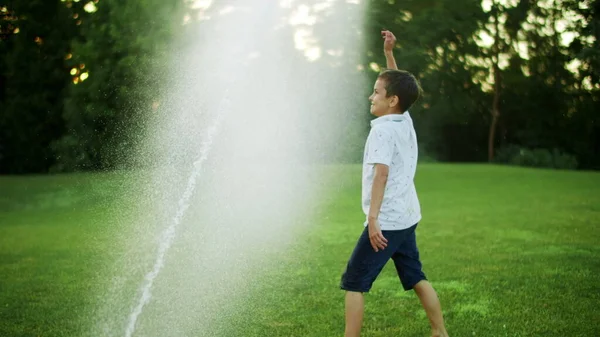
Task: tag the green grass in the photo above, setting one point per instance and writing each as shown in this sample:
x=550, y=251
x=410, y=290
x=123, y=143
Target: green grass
x=511, y=252
x=53, y=246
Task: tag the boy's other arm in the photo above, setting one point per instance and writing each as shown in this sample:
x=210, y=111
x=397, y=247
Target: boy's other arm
x=378, y=241
x=388, y=49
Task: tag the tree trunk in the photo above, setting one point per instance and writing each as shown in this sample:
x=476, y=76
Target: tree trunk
x=496, y=103
x=493, y=124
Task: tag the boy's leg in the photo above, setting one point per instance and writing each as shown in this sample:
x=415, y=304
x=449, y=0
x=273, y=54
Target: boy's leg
x=355, y=304
x=363, y=268
x=433, y=309
x=408, y=265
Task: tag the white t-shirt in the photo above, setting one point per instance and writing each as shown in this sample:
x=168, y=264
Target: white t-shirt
x=392, y=141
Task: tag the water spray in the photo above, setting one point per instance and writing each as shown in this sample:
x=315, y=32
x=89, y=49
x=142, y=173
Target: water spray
x=169, y=233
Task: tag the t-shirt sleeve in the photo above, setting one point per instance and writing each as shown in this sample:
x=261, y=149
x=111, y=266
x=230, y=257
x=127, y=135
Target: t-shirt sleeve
x=380, y=147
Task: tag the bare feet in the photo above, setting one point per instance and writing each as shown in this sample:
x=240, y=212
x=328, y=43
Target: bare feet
x=439, y=334
x=431, y=304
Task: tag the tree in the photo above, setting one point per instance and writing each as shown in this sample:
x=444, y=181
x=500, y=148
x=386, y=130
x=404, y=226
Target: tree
x=33, y=76
x=503, y=24
x=584, y=51
x=122, y=52
x=435, y=40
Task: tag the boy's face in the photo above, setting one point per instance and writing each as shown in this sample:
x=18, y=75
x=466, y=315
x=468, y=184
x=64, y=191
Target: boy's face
x=381, y=104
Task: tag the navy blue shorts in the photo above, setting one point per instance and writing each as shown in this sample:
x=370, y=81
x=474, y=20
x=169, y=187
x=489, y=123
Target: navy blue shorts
x=365, y=264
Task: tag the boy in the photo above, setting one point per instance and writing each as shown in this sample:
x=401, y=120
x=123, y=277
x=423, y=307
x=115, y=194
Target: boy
x=389, y=199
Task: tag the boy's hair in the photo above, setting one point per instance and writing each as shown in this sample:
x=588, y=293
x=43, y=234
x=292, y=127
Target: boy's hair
x=402, y=84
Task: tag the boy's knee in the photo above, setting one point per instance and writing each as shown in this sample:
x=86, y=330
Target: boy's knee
x=355, y=282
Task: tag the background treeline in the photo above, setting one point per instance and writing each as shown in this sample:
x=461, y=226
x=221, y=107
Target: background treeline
x=505, y=81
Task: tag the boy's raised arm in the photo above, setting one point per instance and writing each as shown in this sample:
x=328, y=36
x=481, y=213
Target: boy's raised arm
x=389, y=41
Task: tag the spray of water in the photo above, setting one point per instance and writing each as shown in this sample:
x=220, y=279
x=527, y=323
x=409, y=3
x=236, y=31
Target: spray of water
x=169, y=233
x=234, y=179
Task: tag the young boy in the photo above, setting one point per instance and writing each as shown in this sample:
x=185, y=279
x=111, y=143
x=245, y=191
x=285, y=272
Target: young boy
x=389, y=200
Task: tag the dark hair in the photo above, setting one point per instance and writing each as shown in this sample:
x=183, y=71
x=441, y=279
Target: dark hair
x=402, y=84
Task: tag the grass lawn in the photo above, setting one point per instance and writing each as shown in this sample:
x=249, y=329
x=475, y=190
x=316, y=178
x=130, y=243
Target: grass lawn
x=52, y=250
x=511, y=252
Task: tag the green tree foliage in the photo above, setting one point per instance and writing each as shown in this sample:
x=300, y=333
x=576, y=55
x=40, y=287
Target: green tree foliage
x=516, y=89
x=36, y=36
x=585, y=118
x=123, y=49
x=434, y=41
x=507, y=77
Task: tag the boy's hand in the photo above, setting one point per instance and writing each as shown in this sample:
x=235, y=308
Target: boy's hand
x=378, y=241
x=389, y=41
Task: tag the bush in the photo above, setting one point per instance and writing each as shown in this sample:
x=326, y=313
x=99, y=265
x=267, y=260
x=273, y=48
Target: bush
x=520, y=156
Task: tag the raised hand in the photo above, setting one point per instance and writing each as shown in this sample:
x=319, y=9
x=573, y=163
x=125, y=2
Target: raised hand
x=389, y=41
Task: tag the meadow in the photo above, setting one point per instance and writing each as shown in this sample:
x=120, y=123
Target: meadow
x=511, y=251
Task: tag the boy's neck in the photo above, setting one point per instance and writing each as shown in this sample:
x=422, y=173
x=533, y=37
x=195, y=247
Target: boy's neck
x=393, y=113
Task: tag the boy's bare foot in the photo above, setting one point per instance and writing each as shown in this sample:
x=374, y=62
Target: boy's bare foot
x=439, y=334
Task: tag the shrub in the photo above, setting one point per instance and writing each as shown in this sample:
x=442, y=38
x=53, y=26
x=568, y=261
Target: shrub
x=521, y=156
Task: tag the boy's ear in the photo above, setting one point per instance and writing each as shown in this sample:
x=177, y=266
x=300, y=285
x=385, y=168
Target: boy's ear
x=394, y=101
